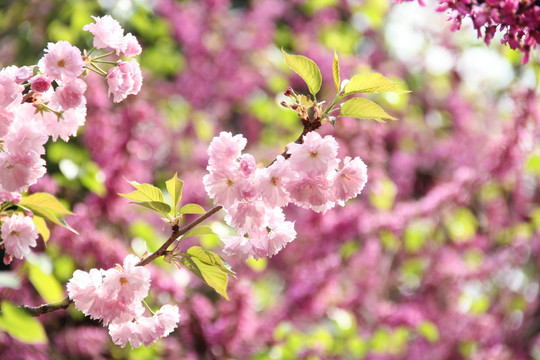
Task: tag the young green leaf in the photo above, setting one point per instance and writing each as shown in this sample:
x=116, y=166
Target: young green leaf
x=202, y=230
x=335, y=72
x=307, y=69
x=364, y=109
x=45, y=201
x=158, y=206
x=211, y=275
x=174, y=187
x=21, y=325
x=46, y=284
x=209, y=258
x=367, y=83
x=41, y=227
x=144, y=192
x=47, y=214
x=192, y=209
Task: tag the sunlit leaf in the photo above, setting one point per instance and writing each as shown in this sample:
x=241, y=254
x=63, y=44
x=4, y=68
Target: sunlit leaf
x=158, y=206
x=41, y=227
x=144, y=193
x=46, y=201
x=368, y=83
x=174, y=187
x=307, y=69
x=21, y=325
x=210, y=274
x=46, y=284
x=364, y=109
x=192, y=209
x=335, y=72
x=201, y=230
x=210, y=258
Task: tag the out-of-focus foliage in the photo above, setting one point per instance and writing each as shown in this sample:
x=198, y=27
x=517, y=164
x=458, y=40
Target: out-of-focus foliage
x=437, y=258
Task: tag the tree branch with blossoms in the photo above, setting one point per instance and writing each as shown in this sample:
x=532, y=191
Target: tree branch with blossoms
x=307, y=174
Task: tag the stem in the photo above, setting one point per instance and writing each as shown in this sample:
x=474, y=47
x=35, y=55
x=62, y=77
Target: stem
x=104, y=62
x=176, y=233
x=91, y=51
x=103, y=56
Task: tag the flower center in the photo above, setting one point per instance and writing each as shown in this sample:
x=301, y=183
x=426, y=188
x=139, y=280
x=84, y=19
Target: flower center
x=314, y=154
x=274, y=181
x=62, y=63
x=123, y=281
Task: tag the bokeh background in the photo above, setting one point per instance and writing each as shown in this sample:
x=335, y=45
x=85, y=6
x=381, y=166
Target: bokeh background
x=438, y=258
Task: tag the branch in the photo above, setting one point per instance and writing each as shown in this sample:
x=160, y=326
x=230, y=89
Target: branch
x=47, y=308
x=177, y=233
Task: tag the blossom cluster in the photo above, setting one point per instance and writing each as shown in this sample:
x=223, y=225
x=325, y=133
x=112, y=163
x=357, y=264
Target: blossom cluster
x=517, y=19
x=115, y=297
x=47, y=101
x=253, y=196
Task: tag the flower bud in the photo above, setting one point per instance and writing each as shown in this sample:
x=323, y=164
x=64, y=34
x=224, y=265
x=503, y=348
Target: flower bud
x=40, y=83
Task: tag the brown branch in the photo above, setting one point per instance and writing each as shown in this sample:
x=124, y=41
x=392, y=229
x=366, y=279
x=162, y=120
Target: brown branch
x=176, y=233
x=47, y=308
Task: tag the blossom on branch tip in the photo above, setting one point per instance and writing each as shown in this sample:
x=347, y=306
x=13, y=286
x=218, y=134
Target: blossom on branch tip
x=18, y=235
x=124, y=79
x=108, y=33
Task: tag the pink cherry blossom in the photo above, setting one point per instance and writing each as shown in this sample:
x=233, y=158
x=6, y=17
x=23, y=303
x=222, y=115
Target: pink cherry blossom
x=271, y=182
x=70, y=95
x=18, y=171
x=23, y=74
x=311, y=193
x=227, y=187
x=25, y=134
x=247, y=164
x=224, y=149
x=40, y=83
x=129, y=283
x=279, y=236
x=124, y=79
x=350, y=180
x=6, y=118
x=244, y=247
x=84, y=289
x=18, y=235
x=67, y=126
x=131, y=46
x=62, y=61
x=316, y=155
x=166, y=319
x=10, y=91
x=107, y=33
x=248, y=216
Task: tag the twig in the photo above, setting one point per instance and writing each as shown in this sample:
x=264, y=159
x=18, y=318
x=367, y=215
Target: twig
x=47, y=308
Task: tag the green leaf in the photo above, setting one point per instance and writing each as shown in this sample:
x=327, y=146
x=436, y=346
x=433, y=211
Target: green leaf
x=307, y=69
x=367, y=83
x=46, y=284
x=213, y=276
x=21, y=325
x=48, y=215
x=192, y=209
x=335, y=72
x=45, y=201
x=210, y=258
x=158, y=206
x=364, y=109
x=174, y=187
x=144, y=193
x=41, y=227
x=202, y=230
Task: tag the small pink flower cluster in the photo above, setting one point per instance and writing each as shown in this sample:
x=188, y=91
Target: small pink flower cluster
x=125, y=78
x=253, y=195
x=47, y=100
x=115, y=297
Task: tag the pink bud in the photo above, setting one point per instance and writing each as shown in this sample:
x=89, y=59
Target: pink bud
x=40, y=83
